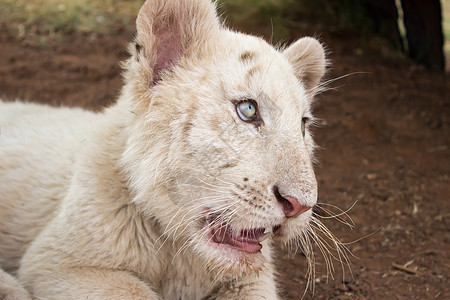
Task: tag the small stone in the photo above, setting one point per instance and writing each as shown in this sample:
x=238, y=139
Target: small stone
x=371, y=176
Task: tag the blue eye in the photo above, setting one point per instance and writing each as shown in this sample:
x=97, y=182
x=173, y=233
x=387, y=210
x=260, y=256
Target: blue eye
x=304, y=120
x=246, y=110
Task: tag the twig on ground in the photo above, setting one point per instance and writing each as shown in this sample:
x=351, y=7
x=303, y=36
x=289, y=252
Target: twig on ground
x=405, y=269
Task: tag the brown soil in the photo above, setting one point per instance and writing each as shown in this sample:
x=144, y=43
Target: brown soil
x=385, y=146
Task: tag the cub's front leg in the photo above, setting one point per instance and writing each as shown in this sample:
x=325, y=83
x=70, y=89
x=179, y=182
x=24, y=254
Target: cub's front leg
x=86, y=283
x=10, y=289
x=257, y=288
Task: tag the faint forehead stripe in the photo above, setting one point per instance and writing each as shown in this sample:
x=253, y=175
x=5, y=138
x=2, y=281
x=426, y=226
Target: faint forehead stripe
x=247, y=56
x=252, y=71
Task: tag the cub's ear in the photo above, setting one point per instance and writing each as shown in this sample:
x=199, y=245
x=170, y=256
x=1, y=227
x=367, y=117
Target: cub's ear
x=168, y=29
x=307, y=56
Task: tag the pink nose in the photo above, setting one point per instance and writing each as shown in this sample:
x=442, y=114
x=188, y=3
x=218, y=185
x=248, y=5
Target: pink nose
x=291, y=207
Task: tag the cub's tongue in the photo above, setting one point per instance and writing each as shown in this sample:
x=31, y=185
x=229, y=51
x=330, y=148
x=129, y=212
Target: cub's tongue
x=247, y=241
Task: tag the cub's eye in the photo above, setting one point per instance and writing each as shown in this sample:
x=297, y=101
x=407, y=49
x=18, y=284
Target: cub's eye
x=304, y=120
x=246, y=110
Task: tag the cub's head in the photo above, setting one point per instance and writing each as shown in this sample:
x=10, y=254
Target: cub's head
x=219, y=149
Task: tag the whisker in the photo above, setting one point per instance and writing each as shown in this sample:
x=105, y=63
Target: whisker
x=322, y=87
x=341, y=213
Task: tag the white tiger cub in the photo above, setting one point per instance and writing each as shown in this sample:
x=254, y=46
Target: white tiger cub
x=179, y=189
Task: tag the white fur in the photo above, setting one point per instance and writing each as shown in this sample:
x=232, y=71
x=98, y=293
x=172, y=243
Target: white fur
x=113, y=205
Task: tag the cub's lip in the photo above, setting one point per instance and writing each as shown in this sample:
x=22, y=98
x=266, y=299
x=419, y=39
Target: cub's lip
x=246, y=240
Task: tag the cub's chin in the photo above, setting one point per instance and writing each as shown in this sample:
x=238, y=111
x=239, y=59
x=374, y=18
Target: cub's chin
x=232, y=253
x=243, y=251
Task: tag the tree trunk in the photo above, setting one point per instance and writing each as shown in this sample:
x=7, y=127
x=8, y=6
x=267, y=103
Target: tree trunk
x=385, y=18
x=423, y=22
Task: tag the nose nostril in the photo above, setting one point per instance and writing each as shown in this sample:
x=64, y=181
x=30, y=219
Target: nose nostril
x=291, y=207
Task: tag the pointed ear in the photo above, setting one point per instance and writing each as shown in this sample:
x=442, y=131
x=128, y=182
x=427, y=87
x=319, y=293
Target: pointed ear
x=307, y=56
x=167, y=29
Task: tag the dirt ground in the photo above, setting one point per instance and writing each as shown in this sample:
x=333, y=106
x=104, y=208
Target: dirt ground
x=384, y=151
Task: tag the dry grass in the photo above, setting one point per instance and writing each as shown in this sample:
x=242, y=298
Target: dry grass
x=55, y=16
x=446, y=30
x=49, y=18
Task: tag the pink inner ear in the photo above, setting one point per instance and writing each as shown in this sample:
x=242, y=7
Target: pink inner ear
x=169, y=51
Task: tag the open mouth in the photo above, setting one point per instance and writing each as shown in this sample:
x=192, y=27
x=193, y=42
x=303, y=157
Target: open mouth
x=247, y=240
